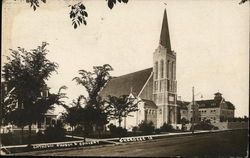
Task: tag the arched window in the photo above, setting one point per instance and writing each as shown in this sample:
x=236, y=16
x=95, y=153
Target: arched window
x=156, y=70
x=162, y=68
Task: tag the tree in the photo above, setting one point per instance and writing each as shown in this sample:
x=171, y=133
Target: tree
x=93, y=82
x=72, y=115
x=120, y=107
x=243, y=1
x=26, y=72
x=78, y=12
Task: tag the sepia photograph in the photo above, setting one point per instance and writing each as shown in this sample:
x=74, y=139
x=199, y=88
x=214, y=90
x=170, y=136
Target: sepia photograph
x=125, y=78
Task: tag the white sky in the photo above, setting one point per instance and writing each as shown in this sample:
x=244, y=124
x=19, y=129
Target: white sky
x=211, y=39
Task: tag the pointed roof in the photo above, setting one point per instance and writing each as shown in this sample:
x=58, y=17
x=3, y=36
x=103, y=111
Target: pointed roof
x=126, y=84
x=165, y=38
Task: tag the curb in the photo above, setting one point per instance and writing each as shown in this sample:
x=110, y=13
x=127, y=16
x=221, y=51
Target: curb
x=155, y=138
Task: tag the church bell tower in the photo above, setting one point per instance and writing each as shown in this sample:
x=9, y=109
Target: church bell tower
x=164, y=79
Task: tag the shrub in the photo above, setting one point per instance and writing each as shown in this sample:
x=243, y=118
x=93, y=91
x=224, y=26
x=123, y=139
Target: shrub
x=135, y=129
x=166, y=128
x=215, y=128
x=146, y=128
x=55, y=133
x=117, y=131
x=157, y=131
x=183, y=127
x=204, y=125
x=78, y=130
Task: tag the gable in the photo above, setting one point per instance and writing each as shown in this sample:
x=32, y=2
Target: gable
x=123, y=85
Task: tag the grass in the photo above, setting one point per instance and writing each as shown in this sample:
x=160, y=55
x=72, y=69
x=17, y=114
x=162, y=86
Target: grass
x=16, y=139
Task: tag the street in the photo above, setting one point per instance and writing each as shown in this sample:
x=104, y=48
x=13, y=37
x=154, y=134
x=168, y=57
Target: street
x=230, y=143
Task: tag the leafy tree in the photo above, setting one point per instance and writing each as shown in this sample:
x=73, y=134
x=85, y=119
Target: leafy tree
x=243, y=1
x=26, y=72
x=83, y=117
x=72, y=116
x=78, y=13
x=93, y=82
x=119, y=107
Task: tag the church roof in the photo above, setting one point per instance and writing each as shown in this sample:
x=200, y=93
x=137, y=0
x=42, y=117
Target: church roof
x=149, y=103
x=165, y=38
x=123, y=85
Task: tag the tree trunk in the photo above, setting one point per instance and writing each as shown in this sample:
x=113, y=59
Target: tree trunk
x=22, y=135
x=99, y=132
x=29, y=138
x=120, y=121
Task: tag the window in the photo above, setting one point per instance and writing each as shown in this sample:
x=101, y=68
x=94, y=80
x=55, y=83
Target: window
x=168, y=62
x=160, y=86
x=168, y=85
x=162, y=68
x=172, y=70
x=156, y=70
x=160, y=111
x=156, y=86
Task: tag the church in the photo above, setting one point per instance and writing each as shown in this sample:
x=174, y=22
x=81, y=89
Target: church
x=156, y=87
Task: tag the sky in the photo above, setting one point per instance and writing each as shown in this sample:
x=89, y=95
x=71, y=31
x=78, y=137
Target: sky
x=211, y=39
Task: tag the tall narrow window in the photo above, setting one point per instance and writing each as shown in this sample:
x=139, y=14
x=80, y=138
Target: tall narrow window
x=156, y=70
x=172, y=69
x=168, y=85
x=162, y=68
x=156, y=86
x=167, y=69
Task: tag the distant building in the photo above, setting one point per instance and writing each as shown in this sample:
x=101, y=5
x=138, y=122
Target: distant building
x=49, y=118
x=156, y=87
x=215, y=110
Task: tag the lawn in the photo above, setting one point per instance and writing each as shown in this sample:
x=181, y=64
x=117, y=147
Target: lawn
x=15, y=138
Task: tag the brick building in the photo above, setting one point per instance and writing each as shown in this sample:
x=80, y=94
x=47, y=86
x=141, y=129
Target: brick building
x=215, y=110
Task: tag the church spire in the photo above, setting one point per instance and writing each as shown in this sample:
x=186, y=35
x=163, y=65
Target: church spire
x=164, y=38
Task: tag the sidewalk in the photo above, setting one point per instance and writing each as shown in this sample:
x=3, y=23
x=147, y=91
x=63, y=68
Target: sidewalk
x=115, y=141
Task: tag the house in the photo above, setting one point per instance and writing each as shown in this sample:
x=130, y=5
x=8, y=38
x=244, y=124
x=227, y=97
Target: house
x=49, y=118
x=155, y=86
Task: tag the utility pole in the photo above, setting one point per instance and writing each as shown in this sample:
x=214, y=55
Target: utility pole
x=193, y=115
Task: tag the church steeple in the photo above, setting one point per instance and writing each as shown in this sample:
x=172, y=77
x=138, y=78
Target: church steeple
x=164, y=38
